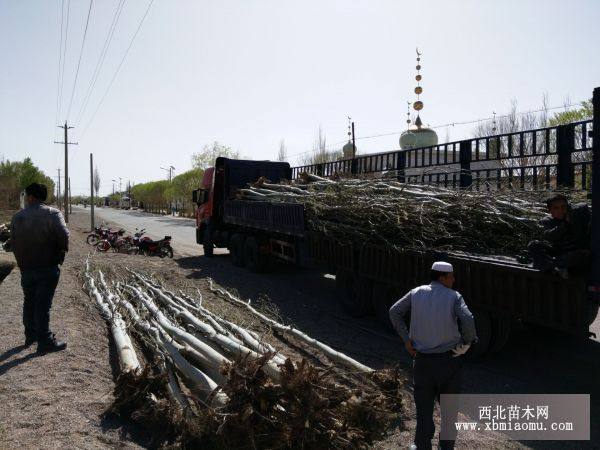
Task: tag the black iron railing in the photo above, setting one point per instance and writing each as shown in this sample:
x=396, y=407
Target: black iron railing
x=533, y=159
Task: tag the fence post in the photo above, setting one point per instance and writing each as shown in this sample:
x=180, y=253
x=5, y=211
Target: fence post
x=466, y=178
x=354, y=165
x=565, y=142
x=595, y=244
x=401, y=166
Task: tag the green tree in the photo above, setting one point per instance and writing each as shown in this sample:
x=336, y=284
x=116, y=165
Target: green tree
x=21, y=174
x=586, y=111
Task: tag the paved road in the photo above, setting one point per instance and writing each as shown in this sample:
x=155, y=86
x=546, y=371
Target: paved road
x=533, y=361
x=182, y=231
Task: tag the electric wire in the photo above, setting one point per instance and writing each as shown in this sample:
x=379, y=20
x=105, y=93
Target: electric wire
x=468, y=122
x=62, y=18
x=118, y=68
x=87, y=22
x=101, y=59
x=64, y=59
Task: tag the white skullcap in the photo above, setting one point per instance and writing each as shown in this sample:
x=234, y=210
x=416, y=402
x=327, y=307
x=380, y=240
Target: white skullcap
x=442, y=266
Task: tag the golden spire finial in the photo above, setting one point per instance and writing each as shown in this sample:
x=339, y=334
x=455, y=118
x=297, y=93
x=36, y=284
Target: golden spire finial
x=418, y=104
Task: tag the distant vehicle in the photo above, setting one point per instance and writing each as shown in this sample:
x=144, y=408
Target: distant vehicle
x=125, y=203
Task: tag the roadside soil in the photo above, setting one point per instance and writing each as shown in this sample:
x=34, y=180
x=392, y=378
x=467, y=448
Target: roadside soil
x=58, y=400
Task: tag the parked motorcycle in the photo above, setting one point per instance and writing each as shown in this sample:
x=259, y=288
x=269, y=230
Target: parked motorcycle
x=109, y=241
x=129, y=244
x=97, y=235
x=161, y=248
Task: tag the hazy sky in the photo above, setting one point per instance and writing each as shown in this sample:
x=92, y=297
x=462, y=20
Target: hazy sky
x=248, y=73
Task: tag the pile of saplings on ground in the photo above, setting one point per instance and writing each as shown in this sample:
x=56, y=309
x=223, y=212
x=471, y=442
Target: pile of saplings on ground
x=226, y=374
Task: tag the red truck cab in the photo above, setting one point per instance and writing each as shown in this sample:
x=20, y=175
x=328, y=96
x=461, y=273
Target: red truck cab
x=203, y=197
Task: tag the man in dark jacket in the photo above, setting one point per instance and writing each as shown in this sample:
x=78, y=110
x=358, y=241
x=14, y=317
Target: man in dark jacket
x=39, y=240
x=565, y=243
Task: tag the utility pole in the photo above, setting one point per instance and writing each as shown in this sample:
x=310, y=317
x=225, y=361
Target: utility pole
x=66, y=143
x=120, y=185
x=170, y=170
x=70, y=202
x=92, y=189
x=114, y=181
x=353, y=143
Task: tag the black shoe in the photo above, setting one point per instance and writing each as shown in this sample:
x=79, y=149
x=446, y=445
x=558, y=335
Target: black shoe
x=29, y=340
x=51, y=344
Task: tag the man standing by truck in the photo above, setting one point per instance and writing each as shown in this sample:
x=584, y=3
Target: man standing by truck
x=39, y=240
x=565, y=244
x=441, y=330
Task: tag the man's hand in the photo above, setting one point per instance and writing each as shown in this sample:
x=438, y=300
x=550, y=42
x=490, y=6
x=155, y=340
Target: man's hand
x=410, y=349
x=460, y=349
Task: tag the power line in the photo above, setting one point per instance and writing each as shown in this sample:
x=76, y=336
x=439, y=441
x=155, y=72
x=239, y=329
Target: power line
x=64, y=58
x=468, y=122
x=62, y=18
x=100, y=63
x=87, y=22
x=118, y=68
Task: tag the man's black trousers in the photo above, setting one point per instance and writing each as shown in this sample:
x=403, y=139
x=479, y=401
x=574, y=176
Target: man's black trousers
x=38, y=288
x=434, y=374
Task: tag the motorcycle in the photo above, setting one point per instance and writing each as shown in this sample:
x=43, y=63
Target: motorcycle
x=161, y=248
x=129, y=244
x=109, y=241
x=97, y=235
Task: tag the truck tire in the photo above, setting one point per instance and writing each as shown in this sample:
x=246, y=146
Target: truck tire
x=208, y=249
x=207, y=242
x=383, y=298
x=236, y=250
x=500, y=333
x=354, y=293
x=592, y=311
x=253, y=258
x=483, y=325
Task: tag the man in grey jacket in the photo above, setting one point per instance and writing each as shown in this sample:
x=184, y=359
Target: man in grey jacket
x=436, y=342
x=39, y=240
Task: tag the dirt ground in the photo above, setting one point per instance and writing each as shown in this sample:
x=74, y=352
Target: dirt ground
x=58, y=400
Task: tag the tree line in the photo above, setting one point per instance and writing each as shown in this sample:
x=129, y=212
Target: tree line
x=15, y=176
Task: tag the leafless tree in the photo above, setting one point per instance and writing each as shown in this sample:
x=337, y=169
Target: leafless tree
x=282, y=153
x=320, y=154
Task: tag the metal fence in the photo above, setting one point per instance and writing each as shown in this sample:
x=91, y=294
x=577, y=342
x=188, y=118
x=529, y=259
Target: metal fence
x=543, y=158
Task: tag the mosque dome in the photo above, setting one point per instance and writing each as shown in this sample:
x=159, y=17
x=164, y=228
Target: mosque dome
x=416, y=137
x=348, y=150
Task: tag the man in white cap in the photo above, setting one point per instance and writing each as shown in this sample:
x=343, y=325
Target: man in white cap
x=441, y=330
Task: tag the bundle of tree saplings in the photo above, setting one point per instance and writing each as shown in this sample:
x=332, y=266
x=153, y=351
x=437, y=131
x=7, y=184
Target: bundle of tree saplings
x=407, y=216
x=209, y=380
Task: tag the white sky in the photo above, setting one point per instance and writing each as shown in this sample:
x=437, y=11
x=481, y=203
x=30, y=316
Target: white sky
x=248, y=73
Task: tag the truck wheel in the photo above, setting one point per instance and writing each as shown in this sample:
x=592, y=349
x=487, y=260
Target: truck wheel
x=208, y=249
x=592, y=311
x=483, y=325
x=500, y=333
x=383, y=299
x=253, y=258
x=236, y=249
x=352, y=293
